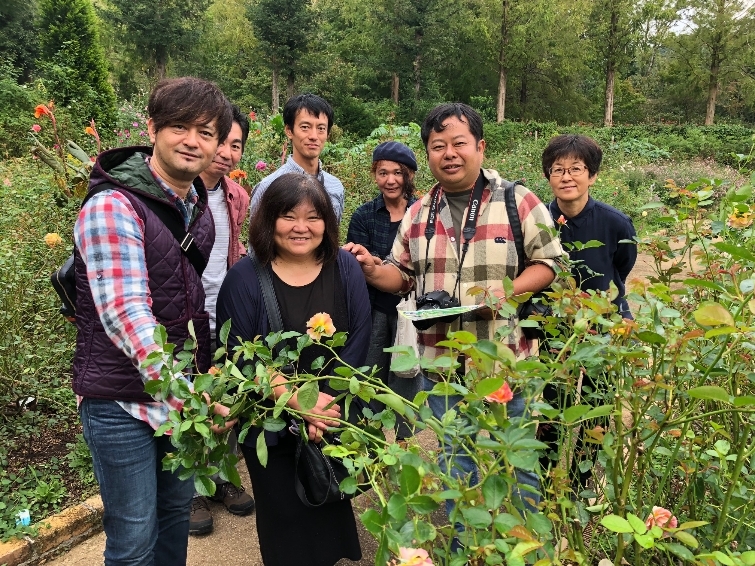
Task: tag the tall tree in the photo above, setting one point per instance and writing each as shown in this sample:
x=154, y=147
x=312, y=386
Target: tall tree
x=614, y=23
x=722, y=28
x=19, y=42
x=157, y=31
x=283, y=28
x=73, y=62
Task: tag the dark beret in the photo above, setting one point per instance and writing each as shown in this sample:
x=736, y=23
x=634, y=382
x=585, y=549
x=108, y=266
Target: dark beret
x=395, y=151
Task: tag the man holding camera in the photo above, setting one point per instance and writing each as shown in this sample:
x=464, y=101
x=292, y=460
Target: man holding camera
x=458, y=237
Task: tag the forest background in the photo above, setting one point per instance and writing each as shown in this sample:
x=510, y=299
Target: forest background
x=602, y=62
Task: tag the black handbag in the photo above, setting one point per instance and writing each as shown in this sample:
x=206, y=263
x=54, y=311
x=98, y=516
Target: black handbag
x=317, y=477
x=537, y=303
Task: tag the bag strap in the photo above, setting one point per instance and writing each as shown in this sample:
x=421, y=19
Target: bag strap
x=274, y=319
x=514, y=221
x=171, y=221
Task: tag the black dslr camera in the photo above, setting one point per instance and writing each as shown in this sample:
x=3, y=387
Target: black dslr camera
x=435, y=300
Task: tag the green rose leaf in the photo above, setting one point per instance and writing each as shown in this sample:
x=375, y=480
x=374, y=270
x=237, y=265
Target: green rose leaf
x=713, y=314
x=397, y=506
x=262, y=450
x=710, y=393
x=307, y=395
x=409, y=481
x=477, y=517
x=616, y=524
x=494, y=490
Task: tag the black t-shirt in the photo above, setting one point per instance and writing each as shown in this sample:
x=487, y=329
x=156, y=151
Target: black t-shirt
x=298, y=304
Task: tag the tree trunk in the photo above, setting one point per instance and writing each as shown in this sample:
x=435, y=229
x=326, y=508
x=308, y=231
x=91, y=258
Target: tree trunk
x=523, y=89
x=500, y=107
x=417, y=63
x=394, y=88
x=290, y=85
x=611, y=66
x=608, y=117
x=417, y=79
x=276, y=94
x=715, y=65
x=161, y=64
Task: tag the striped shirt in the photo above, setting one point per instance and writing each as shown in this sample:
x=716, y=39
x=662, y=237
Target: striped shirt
x=491, y=257
x=217, y=266
x=110, y=238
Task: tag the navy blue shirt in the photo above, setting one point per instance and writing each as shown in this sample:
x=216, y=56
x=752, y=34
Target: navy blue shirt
x=610, y=262
x=370, y=226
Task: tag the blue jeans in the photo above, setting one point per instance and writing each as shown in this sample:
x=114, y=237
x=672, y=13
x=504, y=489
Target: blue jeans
x=461, y=464
x=147, y=509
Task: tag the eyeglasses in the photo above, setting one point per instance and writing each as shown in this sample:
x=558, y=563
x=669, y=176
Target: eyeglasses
x=574, y=171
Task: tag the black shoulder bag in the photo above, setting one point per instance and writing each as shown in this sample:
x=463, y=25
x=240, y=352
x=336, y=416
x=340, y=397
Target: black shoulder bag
x=64, y=279
x=536, y=304
x=317, y=477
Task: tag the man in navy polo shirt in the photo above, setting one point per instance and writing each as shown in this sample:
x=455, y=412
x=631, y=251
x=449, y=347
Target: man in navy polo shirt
x=571, y=163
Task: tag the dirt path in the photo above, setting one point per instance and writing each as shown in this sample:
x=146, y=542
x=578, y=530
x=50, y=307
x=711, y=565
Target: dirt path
x=234, y=540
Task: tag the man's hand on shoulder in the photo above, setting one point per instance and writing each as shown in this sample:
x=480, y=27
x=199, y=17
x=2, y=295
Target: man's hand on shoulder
x=367, y=261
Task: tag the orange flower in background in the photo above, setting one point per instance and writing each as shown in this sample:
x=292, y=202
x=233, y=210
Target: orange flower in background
x=414, y=557
x=237, y=174
x=41, y=110
x=252, y=115
x=52, y=239
x=320, y=325
x=503, y=395
x=661, y=517
x=90, y=130
x=214, y=370
x=740, y=219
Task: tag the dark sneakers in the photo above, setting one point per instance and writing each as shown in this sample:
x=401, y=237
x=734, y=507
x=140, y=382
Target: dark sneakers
x=235, y=499
x=200, y=521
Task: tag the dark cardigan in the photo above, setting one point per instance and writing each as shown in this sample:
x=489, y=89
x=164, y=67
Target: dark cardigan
x=240, y=300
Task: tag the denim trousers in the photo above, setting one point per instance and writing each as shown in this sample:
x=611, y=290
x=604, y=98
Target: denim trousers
x=453, y=456
x=146, y=516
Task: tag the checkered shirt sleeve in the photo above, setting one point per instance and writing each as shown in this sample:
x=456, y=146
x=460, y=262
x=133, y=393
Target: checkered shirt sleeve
x=110, y=238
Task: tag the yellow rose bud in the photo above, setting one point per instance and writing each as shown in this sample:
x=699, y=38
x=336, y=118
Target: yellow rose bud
x=52, y=239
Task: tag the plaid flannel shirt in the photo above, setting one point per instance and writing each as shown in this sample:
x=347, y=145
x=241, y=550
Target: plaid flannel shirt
x=491, y=257
x=110, y=238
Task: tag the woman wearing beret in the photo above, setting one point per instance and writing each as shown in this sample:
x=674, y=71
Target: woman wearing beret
x=374, y=225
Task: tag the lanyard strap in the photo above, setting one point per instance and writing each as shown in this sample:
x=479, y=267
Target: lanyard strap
x=468, y=233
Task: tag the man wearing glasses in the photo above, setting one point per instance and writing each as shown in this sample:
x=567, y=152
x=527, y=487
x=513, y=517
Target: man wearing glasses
x=571, y=163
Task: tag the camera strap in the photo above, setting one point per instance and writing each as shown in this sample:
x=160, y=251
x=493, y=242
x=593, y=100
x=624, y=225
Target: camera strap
x=468, y=232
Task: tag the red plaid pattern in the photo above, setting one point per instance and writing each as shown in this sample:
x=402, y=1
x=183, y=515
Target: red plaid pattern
x=490, y=258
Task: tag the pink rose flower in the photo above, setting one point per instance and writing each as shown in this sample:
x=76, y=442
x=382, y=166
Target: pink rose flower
x=36, y=128
x=261, y=166
x=561, y=220
x=414, y=557
x=661, y=517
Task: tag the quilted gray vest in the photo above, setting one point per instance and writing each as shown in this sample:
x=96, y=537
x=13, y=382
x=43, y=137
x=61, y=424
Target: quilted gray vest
x=100, y=369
